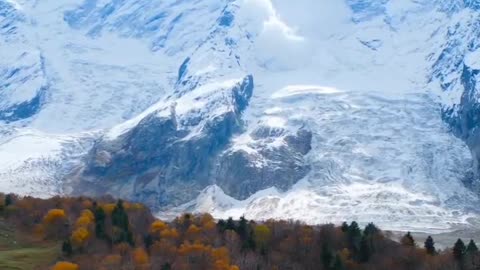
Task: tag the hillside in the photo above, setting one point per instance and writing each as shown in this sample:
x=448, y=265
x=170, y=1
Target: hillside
x=82, y=233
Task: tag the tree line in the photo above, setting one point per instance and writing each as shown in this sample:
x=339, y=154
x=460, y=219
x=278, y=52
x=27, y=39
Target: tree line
x=108, y=234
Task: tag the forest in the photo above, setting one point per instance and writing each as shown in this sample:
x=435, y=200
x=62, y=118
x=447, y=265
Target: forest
x=65, y=233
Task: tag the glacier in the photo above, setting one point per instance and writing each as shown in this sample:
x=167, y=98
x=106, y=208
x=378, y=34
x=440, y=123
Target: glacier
x=321, y=111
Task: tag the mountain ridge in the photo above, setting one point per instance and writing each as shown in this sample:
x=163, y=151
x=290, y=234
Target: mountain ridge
x=341, y=109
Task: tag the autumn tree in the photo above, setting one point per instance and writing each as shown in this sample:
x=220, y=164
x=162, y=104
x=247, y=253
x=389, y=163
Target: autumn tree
x=55, y=224
x=140, y=257
x=262, y=236
x=80, y=237
x=112, y=262
x=65, y=266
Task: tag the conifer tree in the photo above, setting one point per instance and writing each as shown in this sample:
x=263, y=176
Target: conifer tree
x=327, y=256
x=148, y=241
x=338, y=264
x=354, y=235
x=8, y=200
x=459, y=250
x=67, y=248
x=430, y=246
x=344, y=227
x=99, y=215
x=221, y=226
x=119, y=216
x=371, y=229
x=407, y=240
x=366, y=248
x=230, y=224
x=472, y=247
x=120, y=221
x=242, y=229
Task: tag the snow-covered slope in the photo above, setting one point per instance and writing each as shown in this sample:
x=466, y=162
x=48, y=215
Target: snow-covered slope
x=322, y=111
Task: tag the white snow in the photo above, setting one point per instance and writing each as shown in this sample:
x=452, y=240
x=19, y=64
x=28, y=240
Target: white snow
x=292, y=90
x=473, y=59
x=390, y=206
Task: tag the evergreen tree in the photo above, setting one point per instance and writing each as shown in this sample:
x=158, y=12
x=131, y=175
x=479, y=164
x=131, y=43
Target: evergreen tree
x=366, y=248
x=8, y=200
x=430, y=246
x=407, y=240
x=122, y=225
x=242, y=229
x=344, y=227
x=221, y=226
x=120, y=217
x=250, y=243
x=67, y=248
x=338, y=264
x=354, y=235
x=371, y=229
x=472, y=247
x=166, y=266
x=99, y=214
x=327, y=256
x=230, y=224
x=459, y=250
x=148, y=241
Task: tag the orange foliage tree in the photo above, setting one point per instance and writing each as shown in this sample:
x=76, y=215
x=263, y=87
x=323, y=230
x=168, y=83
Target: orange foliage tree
x=65, y=266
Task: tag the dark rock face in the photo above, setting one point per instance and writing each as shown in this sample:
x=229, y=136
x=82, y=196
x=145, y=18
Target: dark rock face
x=169, y=158
x=241, y=173
x=454, y=74
x=466, y=122
x=159, y=161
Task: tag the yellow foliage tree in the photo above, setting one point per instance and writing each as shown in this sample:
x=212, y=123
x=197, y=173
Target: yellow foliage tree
x=140, y=257
x=65, y=266
x=108, y=208
x=88, y=214
x=158, y=226
x=170, y=233
x=87, y=204
x=262, y=235
x=193, y=229
x=54, y=215
x=112, y=260
x=82, y=222
x=80, y=237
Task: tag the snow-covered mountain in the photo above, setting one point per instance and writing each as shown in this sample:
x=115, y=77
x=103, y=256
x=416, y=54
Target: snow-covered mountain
x=322, y=111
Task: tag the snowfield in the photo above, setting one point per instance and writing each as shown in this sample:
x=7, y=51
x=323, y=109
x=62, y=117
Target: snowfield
x=362, y=76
